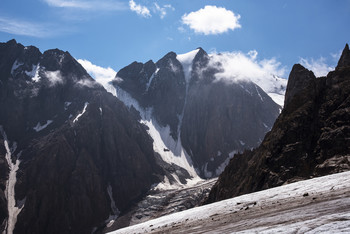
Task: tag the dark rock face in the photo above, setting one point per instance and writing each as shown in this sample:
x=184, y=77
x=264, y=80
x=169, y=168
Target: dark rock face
x=77, y=142
x=299, y=79
x=211, y=118
x=221, y=117
x=344, y=60
x=310, y=138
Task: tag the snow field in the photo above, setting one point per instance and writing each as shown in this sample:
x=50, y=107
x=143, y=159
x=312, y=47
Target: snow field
x=319, y=204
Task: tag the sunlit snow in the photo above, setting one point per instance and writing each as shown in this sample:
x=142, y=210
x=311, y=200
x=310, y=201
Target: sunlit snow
x=151, y=79
x=186, y=61
x=311, y=206
x=80, y=114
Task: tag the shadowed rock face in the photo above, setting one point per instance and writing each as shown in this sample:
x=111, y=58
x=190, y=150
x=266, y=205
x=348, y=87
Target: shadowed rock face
x=67, y=166
x=344, y=60
x=211, y=118
x=310, y=137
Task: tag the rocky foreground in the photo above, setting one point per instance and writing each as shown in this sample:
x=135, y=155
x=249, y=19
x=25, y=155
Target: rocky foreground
x=311, y=206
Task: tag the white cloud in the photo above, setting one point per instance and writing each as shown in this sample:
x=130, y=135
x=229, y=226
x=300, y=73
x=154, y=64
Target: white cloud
x=100, y=74
x=139, y=9
x=318, y=66
x=162, y=11
x=105, y=5
x=54, y=77
x=212, y=20
x=240, y=67
x=87, y=83
x=20, y=27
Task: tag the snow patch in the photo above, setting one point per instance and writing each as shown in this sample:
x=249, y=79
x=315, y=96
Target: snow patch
x=13, y=210
x=15, y=65
x=256, y=88
x=151, y=78
x=100, y=110
x=80, y=114
x=32, y=72
x=223, y=165
x=40, y=127
x=115, y=212
x=36, y=76
x=186, y=61
x=241, y=142
x=278, y=98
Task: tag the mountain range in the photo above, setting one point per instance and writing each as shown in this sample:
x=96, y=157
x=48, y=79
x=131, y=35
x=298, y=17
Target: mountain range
x=74, y=157
x=75, y=154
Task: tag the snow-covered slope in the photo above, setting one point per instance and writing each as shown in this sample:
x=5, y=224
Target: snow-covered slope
x=311, y=206
x=186, y=62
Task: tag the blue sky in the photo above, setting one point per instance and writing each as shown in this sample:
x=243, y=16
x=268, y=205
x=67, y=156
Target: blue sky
x=114, y=33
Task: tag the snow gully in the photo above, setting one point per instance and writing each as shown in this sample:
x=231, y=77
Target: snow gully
x=13, y=211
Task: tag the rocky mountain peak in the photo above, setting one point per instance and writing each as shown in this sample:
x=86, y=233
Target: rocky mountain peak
x=309, y=138
x=299, y=79
x=83, y=154
x=344, y=60
x=56, y=59
x=169, y=61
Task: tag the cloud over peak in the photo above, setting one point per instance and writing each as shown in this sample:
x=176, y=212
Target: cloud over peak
x=212, y=20
x=236, y=67
x=100, y=74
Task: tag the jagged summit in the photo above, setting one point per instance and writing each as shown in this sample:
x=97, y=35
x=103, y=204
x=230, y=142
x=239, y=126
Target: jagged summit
x=310, y=138
x=12, y=42
x=299, y=79
x=204, y=120
x=344, y=60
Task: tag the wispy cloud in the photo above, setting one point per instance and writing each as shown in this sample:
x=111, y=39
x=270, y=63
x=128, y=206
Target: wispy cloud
x=26, y=28
x=212, y=20
x=139, y=9
x=104, y=5
x=336, y=56
x=162, y=11
x=318, y=66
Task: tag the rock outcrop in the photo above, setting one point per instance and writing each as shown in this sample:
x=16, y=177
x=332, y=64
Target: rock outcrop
x=310, y=138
